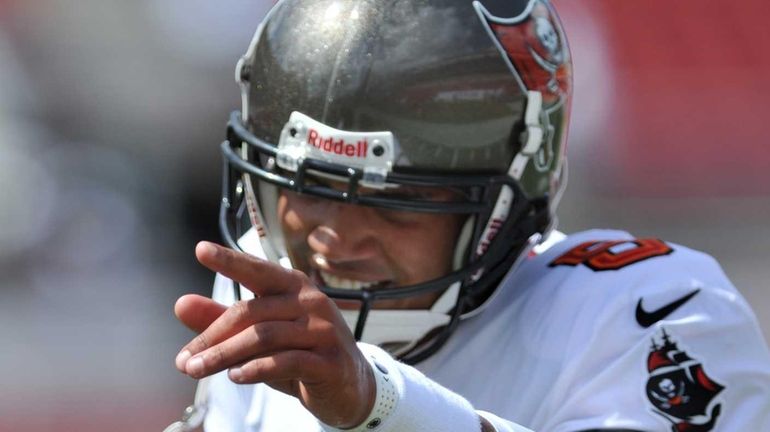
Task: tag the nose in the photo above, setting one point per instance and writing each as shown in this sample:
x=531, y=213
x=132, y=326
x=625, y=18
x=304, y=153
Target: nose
x=344, y=233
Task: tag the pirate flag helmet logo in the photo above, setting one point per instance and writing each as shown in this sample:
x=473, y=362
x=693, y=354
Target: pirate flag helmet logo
x=679, y=388
x=531, y=41
x=530, y=37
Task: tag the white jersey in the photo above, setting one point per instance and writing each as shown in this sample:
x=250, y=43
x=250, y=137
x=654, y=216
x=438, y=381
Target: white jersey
x=598, y=332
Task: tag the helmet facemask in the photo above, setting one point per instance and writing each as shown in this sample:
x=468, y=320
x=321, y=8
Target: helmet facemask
x=255, y=192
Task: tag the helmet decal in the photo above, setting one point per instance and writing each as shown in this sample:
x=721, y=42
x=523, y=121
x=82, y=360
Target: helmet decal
x=536, y=52
x=303, y=137
x=534, y=49
x=679, y=389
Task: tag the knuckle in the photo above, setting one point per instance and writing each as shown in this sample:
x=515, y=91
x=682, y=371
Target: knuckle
x=216, y=357
x=299, y=362
x=266, y=336
x=212, y=360
x=312, y=299
x=329, y=334
x=227, y=256
x=252, y=371
x=295, y=363
x=317, y=333
x=241, y=310
x=296, y=274
x=328, y=328
x=201, y=341
x=309, y=363
x=298, y=278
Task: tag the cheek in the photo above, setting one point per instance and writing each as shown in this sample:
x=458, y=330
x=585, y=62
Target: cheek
x=287, y=214
x=293, y=212
x=426, y=250
x=293, y=223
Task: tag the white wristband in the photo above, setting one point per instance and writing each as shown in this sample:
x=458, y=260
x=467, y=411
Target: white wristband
x=408, y=401
x=419, y=405
x=385, y=402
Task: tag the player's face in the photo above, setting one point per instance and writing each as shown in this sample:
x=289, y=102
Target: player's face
x=349, y=246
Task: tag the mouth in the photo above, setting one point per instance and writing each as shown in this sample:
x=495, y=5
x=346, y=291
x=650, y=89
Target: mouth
x=321, y=276
x=333, y=281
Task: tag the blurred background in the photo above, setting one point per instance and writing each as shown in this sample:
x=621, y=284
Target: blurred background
x=111, y=113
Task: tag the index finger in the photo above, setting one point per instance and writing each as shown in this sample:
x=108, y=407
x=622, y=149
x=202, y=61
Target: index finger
x=258, y=276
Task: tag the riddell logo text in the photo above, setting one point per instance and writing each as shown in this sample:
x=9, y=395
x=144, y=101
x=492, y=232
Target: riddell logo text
x=338, y=146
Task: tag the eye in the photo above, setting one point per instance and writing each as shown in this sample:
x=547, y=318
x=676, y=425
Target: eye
x=403, y=193
x=400, y=217
x=416, y=193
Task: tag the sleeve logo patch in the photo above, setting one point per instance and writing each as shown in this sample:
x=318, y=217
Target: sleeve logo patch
x=679, y=389
x=647, y=318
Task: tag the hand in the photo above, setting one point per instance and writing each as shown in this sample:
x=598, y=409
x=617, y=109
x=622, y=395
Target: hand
x=291, y=337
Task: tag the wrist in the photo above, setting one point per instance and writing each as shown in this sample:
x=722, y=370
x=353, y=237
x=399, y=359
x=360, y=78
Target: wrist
x=418, y=403
x=383, y=398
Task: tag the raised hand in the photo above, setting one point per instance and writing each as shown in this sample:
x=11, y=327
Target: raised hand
x=291, y=336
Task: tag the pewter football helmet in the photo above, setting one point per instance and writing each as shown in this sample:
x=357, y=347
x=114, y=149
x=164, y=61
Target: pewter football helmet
x=379, y=95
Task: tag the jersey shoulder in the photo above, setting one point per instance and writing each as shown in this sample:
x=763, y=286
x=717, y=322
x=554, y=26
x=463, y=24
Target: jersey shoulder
x=612, y=283
x=610, y=308
x=603, y=250
x=616, y=263
x=590, y=322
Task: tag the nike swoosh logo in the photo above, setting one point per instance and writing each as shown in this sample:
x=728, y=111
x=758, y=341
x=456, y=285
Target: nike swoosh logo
x=646, y=319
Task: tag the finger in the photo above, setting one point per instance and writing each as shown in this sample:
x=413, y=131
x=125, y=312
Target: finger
x=197, y=312
x=256, y=341
x=237, y=317
x=280, y=366
x=259, y=276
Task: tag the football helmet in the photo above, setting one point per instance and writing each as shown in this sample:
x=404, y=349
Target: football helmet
x=379, y=95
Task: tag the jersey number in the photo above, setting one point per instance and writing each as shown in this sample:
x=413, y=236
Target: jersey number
x=612, y=255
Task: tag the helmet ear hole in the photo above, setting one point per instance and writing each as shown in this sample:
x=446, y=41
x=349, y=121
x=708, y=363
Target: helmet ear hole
x=244, y=72
x=517, y=138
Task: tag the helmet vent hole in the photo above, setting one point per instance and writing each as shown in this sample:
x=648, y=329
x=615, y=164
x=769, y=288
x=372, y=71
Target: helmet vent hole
x=293, y=132
x=245, y=73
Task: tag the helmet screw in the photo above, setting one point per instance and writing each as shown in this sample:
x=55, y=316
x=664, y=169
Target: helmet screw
x=293, y=132
x=378, y=150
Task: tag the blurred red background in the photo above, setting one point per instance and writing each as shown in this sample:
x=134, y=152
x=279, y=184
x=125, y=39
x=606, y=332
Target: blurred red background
x=689, y=104
x=110, y=116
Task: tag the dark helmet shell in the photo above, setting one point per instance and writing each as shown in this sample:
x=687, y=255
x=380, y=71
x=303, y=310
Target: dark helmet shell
x=454, y=81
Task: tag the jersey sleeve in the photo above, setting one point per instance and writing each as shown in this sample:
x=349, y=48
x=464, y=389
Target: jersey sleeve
x=227, y=405
x=703, y=368
x=665, y=344
x=423, y=405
